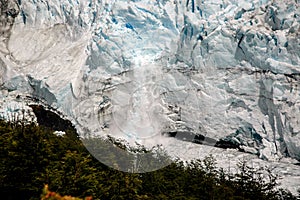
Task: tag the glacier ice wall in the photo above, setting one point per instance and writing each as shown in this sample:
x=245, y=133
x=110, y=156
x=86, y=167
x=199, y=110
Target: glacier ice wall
x=224, y=69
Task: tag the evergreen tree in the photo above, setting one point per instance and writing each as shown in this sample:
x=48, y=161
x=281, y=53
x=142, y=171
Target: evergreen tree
x=32, y=156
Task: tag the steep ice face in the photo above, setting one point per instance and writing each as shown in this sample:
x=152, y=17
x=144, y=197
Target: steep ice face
x=226, y=70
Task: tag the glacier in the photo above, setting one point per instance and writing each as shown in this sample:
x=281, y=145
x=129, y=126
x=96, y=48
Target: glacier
x=225, y=70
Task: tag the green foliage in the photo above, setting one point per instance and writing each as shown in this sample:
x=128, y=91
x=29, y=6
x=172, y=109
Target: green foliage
x=32, y=156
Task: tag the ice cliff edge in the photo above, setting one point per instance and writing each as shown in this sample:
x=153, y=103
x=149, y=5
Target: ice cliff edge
x=225, y=69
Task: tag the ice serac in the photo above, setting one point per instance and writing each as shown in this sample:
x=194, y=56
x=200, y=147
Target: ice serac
x=247, y=76
x=215, y=71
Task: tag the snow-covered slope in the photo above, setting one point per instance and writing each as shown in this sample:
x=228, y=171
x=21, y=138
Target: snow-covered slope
x=224, y=69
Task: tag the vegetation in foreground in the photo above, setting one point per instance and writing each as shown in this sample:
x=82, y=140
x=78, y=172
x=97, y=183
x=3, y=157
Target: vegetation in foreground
x=32, y=157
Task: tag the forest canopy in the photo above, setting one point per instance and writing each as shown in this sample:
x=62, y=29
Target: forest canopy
x=33, y=158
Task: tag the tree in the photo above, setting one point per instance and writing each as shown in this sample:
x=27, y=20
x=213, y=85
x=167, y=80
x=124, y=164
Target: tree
x=32, y=156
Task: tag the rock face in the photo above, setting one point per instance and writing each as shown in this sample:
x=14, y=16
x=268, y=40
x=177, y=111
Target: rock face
x=224, y=69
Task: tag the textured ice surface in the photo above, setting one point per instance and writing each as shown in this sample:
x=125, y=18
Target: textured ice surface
x=136, y=69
